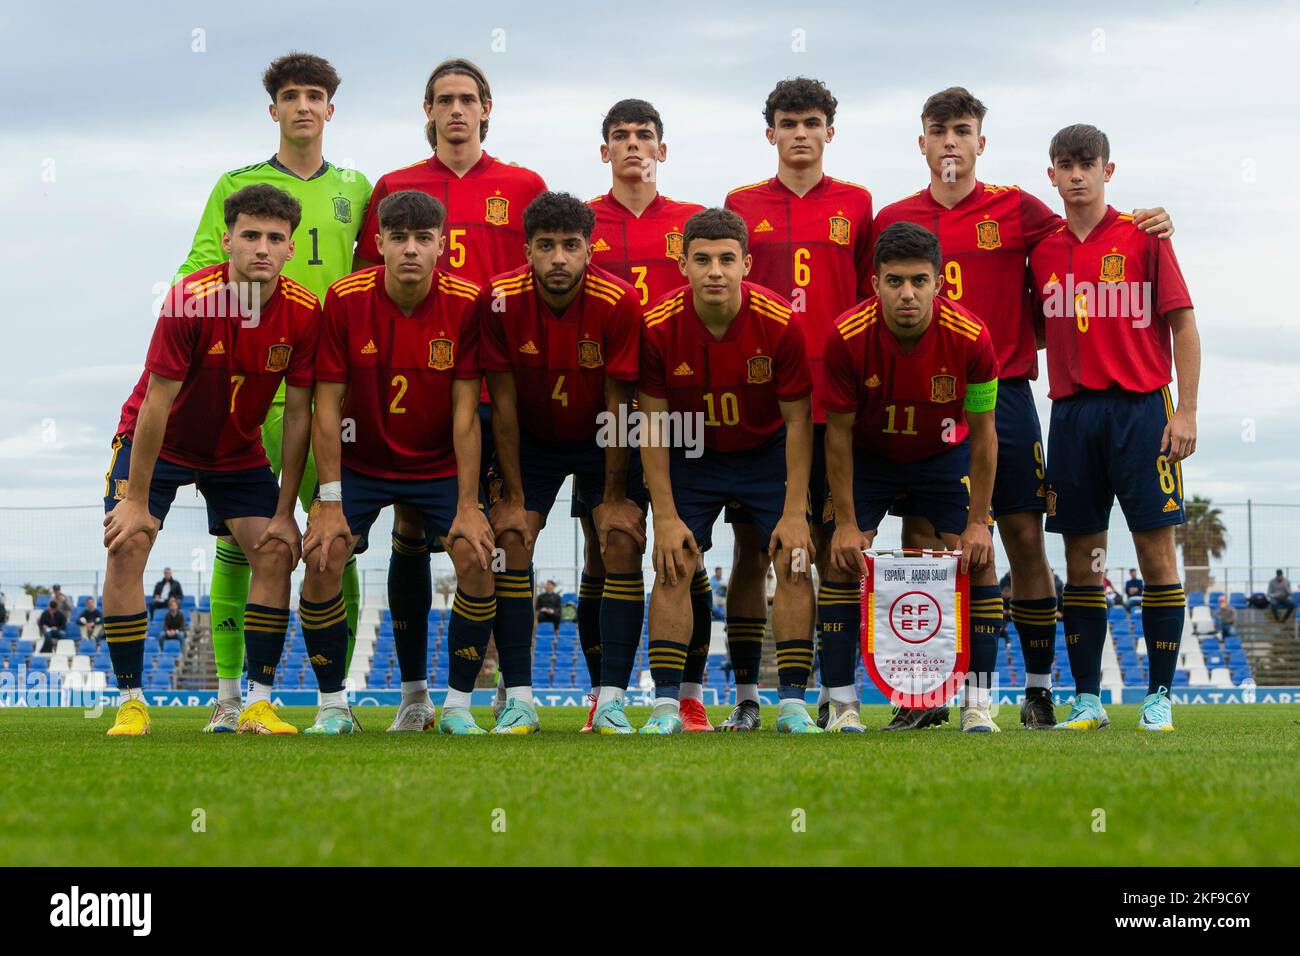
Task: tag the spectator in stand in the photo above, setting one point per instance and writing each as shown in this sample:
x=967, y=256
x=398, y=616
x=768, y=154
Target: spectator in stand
x=1112, y=596
x=174, y=624
x=4, y=611
x=1005, y=585
x=165, y=590
x=548, y=606
x=1227, y=615
x=1280, y=604
x=1060, y=595
x=53, y=625
x=1133, y=590
x=60, y=600
x=91, y=620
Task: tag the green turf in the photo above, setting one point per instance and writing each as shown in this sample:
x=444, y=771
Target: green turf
x=1221, y=790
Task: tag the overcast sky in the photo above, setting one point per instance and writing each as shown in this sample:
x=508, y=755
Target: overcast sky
x=118, y=118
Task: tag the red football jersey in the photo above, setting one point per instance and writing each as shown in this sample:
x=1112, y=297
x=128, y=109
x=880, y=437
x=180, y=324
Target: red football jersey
x=986, y=239
x=812, y=249
x=1105, y=301
x=737, y=381
x=231, y=367
x=560, y=362
x=643, y=249
x=399, y=371
x=909, y=406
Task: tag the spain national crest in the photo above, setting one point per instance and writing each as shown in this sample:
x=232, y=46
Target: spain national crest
x=840, y=230
x=589, y=354
x=1112, y=268
x=342, y=208
x=1051, y=503
x=987, y=235
x=119, y=489
x=760, y=370
x=277, y=359
x=498, y=210
x=441, y=354
x=672, y=244
x=943, y=388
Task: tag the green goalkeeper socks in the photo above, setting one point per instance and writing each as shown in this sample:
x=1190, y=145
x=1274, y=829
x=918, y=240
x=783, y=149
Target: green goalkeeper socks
x=229, y=594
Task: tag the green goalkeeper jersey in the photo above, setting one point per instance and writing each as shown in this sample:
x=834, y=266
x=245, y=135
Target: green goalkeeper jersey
x=333, y=209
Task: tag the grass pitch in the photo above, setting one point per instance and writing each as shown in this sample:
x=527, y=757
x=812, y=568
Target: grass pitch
x=1221, y=790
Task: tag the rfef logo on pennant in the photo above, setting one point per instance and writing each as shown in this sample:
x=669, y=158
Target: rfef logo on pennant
x=76, y=909
x=915, y=627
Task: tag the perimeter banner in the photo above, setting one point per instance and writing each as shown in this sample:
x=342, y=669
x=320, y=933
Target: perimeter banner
x=916, y=626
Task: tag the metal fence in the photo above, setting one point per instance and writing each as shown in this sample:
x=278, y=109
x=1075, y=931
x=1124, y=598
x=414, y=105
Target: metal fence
x=45, y=546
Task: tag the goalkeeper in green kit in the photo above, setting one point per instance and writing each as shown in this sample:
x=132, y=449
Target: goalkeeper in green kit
x=333, y=201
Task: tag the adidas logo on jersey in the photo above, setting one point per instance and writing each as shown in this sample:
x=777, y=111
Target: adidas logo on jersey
x=683, y=369
x=873, y=382
x=469, y=653
x=600, y=245
x=529, y=348
x=218, y=349
x=228, y=625
x=1170, y=505
x=369, y=348
x=763, y=226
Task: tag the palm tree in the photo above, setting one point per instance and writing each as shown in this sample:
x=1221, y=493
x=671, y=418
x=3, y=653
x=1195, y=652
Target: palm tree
x=1201, y=538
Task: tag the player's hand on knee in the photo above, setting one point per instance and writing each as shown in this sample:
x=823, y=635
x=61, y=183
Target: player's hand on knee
x=847, y=545
x=676, y=552
x=471, y=524
x=509, y=514
x=792, y=536
x=127, y=519
x=621, y=514
x=1179, y=438
x=283, y=528
x=325, y=526
x=976, y=544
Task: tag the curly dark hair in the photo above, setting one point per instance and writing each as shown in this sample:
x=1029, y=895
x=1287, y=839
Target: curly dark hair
x=295, y=67
x=953, y=103
x=262, y=200
x=631, y=111
x=461, y=67
x=558, y=212
x=907, y=240
x=800, y=95
x=715, y=223
x=411, y=209
x=1079, y=141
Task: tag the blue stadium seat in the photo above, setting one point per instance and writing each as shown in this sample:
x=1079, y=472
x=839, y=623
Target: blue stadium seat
x=205, y=603
x=1196, y=599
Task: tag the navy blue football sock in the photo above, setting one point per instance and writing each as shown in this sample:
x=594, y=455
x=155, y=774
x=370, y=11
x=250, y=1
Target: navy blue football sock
x=514, y=627
x=745, y=647
x=985, y=623
x=125, y=634
x=410, y=596
x=590, y=590
x=622, y=610
x=1164, y=606
x=667, y=659
x=264, y=629
x=325, y=630
x=1085, y=634
x=793, y=665
x=697, y=654
x=839, y=620
x=1035, y=622
x=467, y=638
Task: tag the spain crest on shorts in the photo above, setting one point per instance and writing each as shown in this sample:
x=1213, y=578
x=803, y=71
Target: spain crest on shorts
x=760, y=370
x=673, y=244
x=840, y=230
x=342, y=208
x=277, y=359
x=589, y=354
x=119, y=489
x=1051, y=503
x=441, y=354
x=987, y=235
x=498, y=210
x=1112, y=268
x=943, y=388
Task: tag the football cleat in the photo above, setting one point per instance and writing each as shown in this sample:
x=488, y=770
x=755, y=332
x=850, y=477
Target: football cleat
x=591, y=712
x=415, y=717
x=519, y=717
x=1036, y=710
x=744, y=718
x=664, y=719
x=332, y=721
x=132, y=720
x=261, y=718
x=695, y=719
x=847, y=720
x=824, y=714
x=976, y=720
x=1086, y=713
x=610, y=718
x=793, y=718
x=499, y=701
x=917, y=718
x=224, y=718
x=459, y=722
x=1157, y=714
